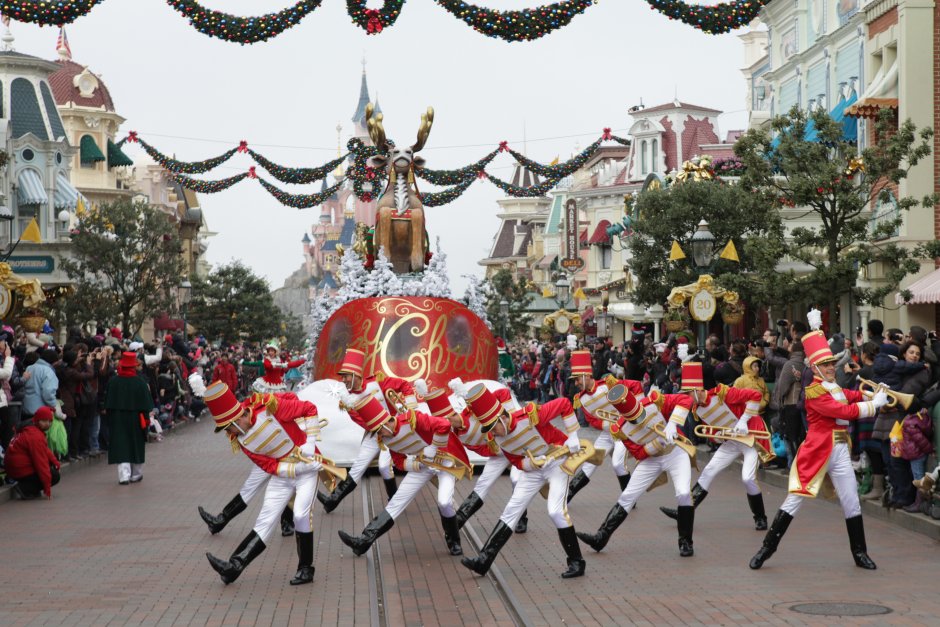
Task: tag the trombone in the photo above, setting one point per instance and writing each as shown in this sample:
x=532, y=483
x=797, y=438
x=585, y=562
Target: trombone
x=727, y=433
x=870, y=388
x=397, y=399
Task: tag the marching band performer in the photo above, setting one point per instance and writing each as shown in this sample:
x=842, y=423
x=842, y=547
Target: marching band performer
x=527, y=439
x=591, y=398
x=424, y=447
x=279, y=435
x=829, y=408
x=737, y=411
x=386, y=390
x=651, y=440
x=272, y=381
x=470, y=431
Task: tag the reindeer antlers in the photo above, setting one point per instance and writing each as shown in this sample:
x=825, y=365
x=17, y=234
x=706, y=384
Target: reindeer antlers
x=424, y=130
x=376, y=129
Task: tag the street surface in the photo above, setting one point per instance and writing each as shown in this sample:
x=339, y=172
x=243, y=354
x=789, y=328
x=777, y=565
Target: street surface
x=105, y=554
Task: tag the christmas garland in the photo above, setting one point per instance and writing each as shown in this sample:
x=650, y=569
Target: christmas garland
x=559, y=170
x=50, y=12
x=456, y=177
x=715, y=19
x=447, y=196
x=523, y=25
x=297, y=176
x=533, y=191
x=374, y=20
x=300, y=201
x=243, y=30
x=182, y=167
x=210, y=187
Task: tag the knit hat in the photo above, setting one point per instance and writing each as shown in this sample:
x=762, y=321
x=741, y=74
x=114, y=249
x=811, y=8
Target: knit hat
x=116, y=333
x=43, y=413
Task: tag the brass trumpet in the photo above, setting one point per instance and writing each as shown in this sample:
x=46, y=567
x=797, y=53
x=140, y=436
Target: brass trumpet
x=457, y=470
x=575, y=460
x=330, y=472
x=680, y=440
x=396, y=399
x=870, y=388
x=726, y=433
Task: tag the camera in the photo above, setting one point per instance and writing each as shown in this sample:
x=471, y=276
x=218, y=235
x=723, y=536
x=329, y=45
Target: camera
x=782, y=323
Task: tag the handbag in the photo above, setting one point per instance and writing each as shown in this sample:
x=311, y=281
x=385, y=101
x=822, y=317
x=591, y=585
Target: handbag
x=779, y=446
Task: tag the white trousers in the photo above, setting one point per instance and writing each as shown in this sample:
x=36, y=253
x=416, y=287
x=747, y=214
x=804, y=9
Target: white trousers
x=278, y=494
x=368, y=449
x=618, y=455
x=528, y=485
x=843, y=480
x=727, y=453
x=255, y=481
x=676, y=463
x=128, y=471
x=413, y=482
x=492, y=471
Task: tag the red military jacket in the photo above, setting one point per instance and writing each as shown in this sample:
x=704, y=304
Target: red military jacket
x=666, y=404
x=535, y=418
x=414, y=430
x=385, y=385
x=284, y=423
x=736, y=400
x=828, y=412
x=598, y=393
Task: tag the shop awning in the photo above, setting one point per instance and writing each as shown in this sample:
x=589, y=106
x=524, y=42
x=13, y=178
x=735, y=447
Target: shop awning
x=546, y=261
x=925, y=290
x=165, y=323
x=66, y=196
x=116, y=156
x=869, y=107
x=600, y=235
x=89, y=151
x=583, y=237
x=29, y=188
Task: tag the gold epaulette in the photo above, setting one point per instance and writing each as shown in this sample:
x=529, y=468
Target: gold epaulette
x=380, y=376
x=611, y=380
x=532, y=411
x=491, y=443
x=815, y=391
x=657, y=399
x=271, y=404
x=577, y=401
x=722, y=392
x=412, y=419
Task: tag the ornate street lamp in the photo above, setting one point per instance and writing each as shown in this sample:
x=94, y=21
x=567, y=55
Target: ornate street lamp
x=703, y=247
x=562, y=292
x=503, y=316
x=184, y=295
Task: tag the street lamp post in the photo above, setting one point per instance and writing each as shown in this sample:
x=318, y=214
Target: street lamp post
x=503, y=316
x=703, y=252
x=562, y=292
x=185, y=295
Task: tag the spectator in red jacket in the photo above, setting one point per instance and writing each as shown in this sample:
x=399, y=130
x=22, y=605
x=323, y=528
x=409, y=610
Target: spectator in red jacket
x=29, y=460
x=225, y=372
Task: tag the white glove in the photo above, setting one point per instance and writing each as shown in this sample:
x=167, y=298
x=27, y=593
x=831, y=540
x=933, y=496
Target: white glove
x=527, y=464
x=740, y=426
x=309, y=449
x=413, y=464
x=880, y=399
x=670, y=432
x=307, y=468
x=573, y=443
x=429, y=453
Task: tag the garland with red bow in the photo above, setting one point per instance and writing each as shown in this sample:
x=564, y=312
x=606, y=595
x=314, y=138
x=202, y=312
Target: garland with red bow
x=374, y=20
x=300, y=201
x=520, y=25
x=297, y=176
x=210, y=187
x=183, y=167
x=559, y=171
x=458, y=176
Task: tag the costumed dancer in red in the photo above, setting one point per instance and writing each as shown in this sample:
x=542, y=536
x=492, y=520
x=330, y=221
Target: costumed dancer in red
x=278, y=434
x=826, y=449
x=531, y=444
x=395, y=395
x=736, y=411
x=272, y=381
x=651, y=440
x=469, y=431
x=593, y=402
x=424, y=447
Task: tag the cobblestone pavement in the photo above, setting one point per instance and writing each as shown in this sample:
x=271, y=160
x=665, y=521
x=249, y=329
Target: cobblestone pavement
x=105, y=554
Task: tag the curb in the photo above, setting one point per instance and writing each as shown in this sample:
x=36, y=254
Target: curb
x=68, y=468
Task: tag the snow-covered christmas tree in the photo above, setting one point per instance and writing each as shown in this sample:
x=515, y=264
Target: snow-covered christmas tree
x=475, y=297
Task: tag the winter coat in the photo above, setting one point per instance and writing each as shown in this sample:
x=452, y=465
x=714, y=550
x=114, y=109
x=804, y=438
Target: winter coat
x=891, y=370
x=40, y=388
x=73, y=383
x=915, y=385
x=917, y=430
x=29, y=455
x=749, y=380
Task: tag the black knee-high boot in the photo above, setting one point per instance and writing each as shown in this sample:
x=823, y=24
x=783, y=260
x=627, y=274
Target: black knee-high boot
x=451, y=534
x=305, y=567
x=332, y=500
x=250, y=548
x=857, y=542
x=598, y=541
x=523, y=525
x=756, y=502
x=576, y=563
x=232, y=509
x=698, y=495
x=498, y=538
x=391, y=487
x=684, y=522
x=373, y=531
x=772, y=539
x=577, y=483
x=468, y=508
x=287, y=522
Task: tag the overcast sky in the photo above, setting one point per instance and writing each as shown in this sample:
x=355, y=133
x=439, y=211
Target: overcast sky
x=179, y=89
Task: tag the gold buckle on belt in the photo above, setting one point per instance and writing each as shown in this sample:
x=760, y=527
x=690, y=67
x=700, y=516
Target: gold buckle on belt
x=841, y=437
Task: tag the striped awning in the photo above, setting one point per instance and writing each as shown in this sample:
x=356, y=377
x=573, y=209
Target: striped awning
x=29, y=188
x=925, y=290
x=66, y=196
x=600, y=235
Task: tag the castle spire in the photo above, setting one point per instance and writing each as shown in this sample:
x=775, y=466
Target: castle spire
x=360, y=114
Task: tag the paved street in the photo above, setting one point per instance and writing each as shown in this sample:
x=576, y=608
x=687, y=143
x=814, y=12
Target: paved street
x=105, y=554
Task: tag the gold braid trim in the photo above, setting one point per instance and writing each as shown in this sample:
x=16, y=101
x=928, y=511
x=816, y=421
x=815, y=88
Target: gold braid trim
x=577, y=401
x=611, y=380
x=532, y=411
x=491, y=443
x=815, y=391
x=722, y=392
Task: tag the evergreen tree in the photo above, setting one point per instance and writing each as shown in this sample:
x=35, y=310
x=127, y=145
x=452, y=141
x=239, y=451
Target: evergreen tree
x=502, y=285
x=232, y=303
x=475, y=297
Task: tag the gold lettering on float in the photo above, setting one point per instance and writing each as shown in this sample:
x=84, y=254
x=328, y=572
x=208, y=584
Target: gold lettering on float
x=371, y=342
x=418, y=361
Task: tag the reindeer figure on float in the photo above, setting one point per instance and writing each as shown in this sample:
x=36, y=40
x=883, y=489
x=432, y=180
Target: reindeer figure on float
x=399, y=224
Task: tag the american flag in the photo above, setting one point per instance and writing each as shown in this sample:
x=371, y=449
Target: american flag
x=63, y=43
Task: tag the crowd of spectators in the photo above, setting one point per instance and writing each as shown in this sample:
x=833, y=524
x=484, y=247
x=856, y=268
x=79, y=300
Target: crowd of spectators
x=55, y=394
